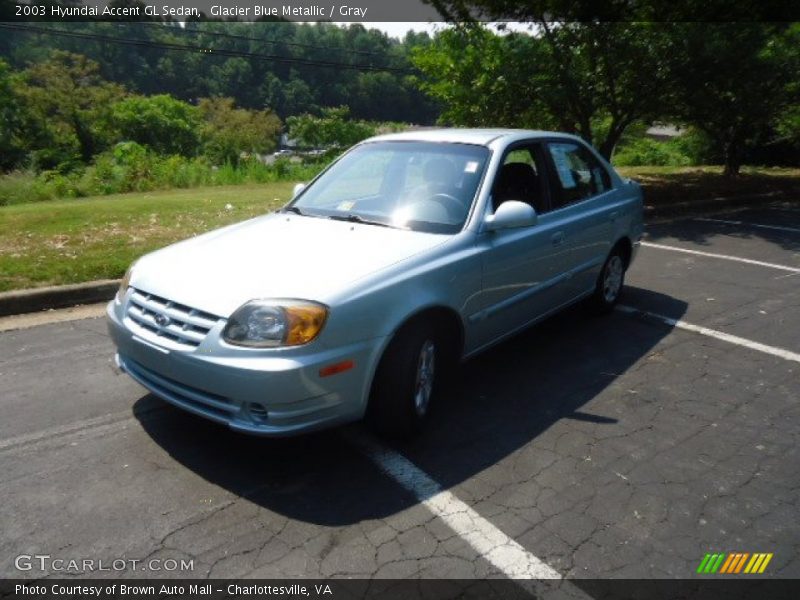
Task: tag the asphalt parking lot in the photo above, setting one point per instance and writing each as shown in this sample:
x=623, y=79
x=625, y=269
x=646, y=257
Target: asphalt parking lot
x=625, y=446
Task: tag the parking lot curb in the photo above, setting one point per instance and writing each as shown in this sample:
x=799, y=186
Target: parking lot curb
x=61, y=296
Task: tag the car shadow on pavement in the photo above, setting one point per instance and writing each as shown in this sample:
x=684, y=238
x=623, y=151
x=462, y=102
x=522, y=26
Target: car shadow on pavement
x=702, y=232
x=501, y=401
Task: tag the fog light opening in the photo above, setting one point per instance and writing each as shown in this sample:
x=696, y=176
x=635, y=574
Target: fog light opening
x=258, y=412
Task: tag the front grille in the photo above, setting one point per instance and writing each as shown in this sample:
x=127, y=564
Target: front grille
x=169, y=320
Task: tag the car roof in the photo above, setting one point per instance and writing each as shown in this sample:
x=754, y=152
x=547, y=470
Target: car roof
x=482, y=137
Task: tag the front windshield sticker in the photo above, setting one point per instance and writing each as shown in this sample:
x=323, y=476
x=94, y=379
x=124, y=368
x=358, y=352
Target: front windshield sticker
x=471, y=167
x=346, y=205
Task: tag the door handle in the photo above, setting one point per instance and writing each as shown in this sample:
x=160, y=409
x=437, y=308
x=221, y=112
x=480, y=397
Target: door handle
x=557, y=238
x=613, y=216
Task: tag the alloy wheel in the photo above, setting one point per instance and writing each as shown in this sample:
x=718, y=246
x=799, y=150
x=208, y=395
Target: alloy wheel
x=612, y=282
x=423, y=386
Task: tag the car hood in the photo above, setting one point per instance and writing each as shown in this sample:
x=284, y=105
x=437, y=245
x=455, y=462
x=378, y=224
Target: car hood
x=275, y=256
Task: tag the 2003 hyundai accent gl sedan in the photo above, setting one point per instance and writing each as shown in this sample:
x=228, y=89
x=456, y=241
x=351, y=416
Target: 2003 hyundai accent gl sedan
x=409, y=253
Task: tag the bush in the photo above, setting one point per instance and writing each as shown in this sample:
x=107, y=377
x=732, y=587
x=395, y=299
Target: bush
x=163, y=123
x=130, y=167
x=18, y=186
x=229, y=132
x=697, y=146
x=334, y=129
x=648, y=152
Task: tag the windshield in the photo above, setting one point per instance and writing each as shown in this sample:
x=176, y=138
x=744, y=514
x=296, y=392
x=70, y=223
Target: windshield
x=423, y=186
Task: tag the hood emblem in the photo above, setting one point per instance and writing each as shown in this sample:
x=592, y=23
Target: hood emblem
x=163, y=320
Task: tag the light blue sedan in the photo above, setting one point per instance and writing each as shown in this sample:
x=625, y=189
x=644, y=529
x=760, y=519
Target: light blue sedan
x=410, y=253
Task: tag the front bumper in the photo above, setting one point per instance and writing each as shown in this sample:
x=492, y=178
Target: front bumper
x=269, y=393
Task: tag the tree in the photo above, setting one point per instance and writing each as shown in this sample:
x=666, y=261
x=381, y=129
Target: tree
x=599, y=78
x=593, y=79
x=788, y=124
x=733, y=82
x=482, y=79
x=228, y=132
x=608, y=65
x=788, y=121
x=298, y=97
x=166, y=125
x=70, y=102
x=244, y=61
x=11, y=120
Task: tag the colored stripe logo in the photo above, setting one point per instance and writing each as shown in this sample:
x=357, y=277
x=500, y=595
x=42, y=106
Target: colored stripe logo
x=734, y=563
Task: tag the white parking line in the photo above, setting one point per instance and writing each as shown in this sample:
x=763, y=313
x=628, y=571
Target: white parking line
x=748, y=261
x=745, y=223
x=720, y=335
x=487, y=540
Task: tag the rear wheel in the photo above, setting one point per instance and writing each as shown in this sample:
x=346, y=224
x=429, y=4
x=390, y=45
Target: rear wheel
x=407, y=381
x=609, y=283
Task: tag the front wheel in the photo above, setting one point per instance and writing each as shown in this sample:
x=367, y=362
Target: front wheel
x=609, y=284
x=406, y=382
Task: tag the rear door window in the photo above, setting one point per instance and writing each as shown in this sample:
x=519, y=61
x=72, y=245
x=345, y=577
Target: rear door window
x=578, y=175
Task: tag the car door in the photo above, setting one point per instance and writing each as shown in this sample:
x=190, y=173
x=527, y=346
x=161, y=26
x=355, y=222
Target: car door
x=584, y=208
x=522, y=268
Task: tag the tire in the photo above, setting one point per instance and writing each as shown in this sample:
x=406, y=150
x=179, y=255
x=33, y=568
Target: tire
x=609, y=284
x=408, y=379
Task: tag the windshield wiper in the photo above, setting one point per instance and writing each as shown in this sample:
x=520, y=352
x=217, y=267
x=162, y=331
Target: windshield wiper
x=293, y=209
x=353, y=218
x=302, y=213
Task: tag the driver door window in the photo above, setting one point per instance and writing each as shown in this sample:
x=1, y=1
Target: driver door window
x=519, y=179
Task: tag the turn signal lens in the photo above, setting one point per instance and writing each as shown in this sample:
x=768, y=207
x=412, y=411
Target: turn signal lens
x=304, y=323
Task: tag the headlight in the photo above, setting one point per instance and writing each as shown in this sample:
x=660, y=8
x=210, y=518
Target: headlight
x=126, y=281
x=270, y=323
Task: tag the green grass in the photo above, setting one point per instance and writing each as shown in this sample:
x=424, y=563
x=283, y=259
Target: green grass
x=70, y=241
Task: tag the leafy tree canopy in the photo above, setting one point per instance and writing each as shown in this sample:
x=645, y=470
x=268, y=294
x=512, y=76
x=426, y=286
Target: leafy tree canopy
x=70, y=103
x=584, y=78
x=11, y=116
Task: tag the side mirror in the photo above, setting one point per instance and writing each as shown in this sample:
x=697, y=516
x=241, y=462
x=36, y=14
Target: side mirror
x=511, y=214
x=298, y=187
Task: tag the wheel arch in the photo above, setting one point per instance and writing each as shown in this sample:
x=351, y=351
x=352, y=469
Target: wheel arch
x=440, y=314
x=625, y=246
x=444, y=317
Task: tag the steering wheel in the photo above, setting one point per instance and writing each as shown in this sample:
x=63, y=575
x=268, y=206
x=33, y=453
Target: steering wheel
x=453, y=206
